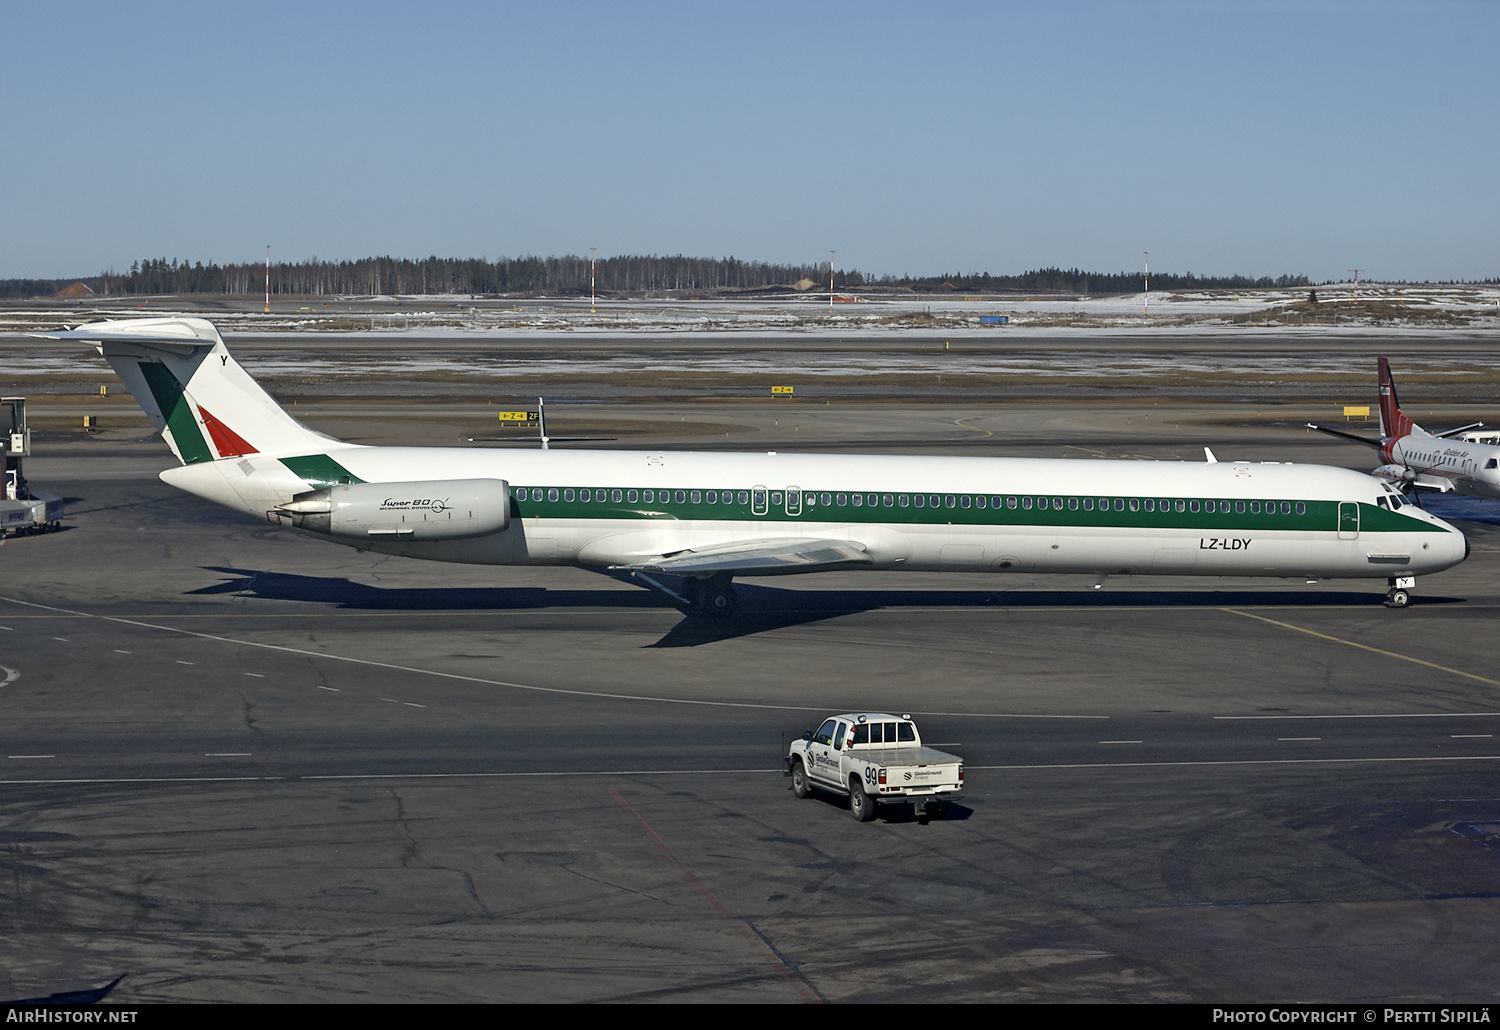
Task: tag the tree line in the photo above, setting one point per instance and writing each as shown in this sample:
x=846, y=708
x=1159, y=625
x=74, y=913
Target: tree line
x=569, y=275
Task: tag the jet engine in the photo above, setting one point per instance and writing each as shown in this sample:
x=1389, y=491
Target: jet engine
x=435, y=509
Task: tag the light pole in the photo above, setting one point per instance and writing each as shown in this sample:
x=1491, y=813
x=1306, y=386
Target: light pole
x=1146, y=310
x=591, y=280
x=268, y=278
x=830, y=282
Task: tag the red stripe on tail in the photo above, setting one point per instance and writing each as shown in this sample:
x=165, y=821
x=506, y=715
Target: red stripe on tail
x=227, y=442
x=1393, y=424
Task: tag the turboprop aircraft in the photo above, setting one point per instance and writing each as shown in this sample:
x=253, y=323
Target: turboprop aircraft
x=1458, y=460
x=704, y=518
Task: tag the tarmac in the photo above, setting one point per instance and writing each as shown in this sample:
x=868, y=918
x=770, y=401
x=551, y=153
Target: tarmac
x=244, y=765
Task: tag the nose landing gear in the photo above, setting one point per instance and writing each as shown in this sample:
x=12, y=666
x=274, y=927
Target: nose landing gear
x=1399, y=595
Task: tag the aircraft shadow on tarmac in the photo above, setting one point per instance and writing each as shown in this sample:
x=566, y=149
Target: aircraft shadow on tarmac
x=761, y=607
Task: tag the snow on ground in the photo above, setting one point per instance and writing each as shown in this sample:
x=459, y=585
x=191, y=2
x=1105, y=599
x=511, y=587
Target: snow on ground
x=1374, y=308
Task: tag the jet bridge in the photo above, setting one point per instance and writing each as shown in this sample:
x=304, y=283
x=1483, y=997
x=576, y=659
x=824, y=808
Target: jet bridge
x=22, y=507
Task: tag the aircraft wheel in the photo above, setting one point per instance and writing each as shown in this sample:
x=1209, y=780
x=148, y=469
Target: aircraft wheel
x=1397, y=598
x=719, y=601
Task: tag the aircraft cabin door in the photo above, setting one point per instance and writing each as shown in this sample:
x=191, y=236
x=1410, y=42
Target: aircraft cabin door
x=1348, y=520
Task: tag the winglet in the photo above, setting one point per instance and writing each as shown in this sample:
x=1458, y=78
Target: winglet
x=1208, y=456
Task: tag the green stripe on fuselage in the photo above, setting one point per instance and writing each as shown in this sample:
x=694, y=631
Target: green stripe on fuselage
x=1319, y=516
x=174, y=406
x=320, y=470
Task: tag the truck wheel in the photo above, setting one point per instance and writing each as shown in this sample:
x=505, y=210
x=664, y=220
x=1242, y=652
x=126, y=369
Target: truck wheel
x=800, y=788
x=861, y=806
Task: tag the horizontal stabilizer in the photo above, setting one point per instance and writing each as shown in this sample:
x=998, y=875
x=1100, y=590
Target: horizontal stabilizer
x=761, y=558
x=197, y=396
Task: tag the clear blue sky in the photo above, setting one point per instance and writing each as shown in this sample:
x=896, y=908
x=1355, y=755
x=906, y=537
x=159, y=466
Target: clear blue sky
x=1255, y=137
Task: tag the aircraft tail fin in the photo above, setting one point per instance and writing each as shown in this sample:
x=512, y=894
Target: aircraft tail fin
x=197, y=396
x=1392, y=422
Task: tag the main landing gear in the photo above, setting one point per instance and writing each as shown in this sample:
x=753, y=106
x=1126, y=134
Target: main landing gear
x=714, y=597
x=1399, y=595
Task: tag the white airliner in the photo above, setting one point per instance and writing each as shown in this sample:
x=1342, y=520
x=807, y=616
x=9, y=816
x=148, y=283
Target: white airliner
x=1460, y=460
x=708, y=517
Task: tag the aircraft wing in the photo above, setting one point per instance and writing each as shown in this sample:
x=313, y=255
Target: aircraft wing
x=760, y=558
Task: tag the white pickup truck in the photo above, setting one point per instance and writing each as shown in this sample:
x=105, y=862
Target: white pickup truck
x=876, y=759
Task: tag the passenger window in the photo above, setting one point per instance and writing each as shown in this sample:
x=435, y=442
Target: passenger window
x=839, y=735
x=859, y=500
x=1301, y=508
x=827, y=498
x=1088, y=504
x=905, y=733
x=1286, y=507
x=861, y=734
x=1010, y=502
x=949, y=501
x=921, y=501
x=744, y=496
x=980, y=501
x=843, y=499
x=877, y=732
x=1072, y=504
x=888, y=501
x=1026, y=503
x=903, y=500
x=825, y=733
x=681, y=497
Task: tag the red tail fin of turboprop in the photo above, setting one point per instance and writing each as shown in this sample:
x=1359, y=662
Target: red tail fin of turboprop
x=1392, y=423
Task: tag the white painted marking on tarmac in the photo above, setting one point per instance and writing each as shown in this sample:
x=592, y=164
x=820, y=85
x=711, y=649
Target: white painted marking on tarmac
x=63, y=639
x=256, y=675
x=227, y=754
x=1469, y=736
x=181, y=662
x=320, y=686
x=30, y=756
x=7, y=629
x=462, y=678
x=8, y=676
x=1122, y=741
x=412, y=704
x=777, y=772
x=1378, y=715
x=1228, y=762
x=1299, y=738
x=118, y=651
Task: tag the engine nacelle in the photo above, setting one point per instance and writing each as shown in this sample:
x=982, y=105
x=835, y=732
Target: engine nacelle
x=433, y=509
